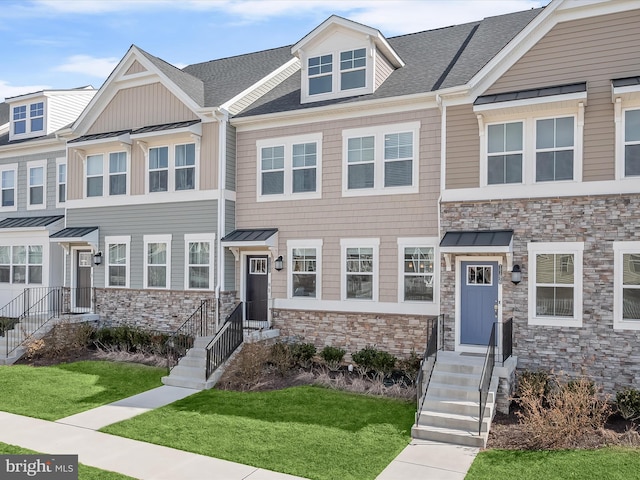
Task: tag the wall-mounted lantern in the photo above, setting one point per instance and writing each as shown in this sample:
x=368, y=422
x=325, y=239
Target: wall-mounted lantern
x=516, y=275
x=279, y=263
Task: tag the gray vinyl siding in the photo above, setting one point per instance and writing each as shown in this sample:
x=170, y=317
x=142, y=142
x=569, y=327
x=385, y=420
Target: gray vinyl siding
x=139, y=220
x=229, y=216
x=230, y=179
x=229, y=259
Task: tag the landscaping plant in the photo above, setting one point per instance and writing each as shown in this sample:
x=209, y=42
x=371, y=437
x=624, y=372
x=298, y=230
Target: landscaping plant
x=332, y=357
x=628, y=403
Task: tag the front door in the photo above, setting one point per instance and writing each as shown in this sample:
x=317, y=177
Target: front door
x=478, y=301
x=257, y=281
x=82, y=297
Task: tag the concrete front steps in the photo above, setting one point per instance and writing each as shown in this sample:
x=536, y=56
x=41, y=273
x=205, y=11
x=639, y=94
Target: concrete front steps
x=191, y=370
x=451, y=407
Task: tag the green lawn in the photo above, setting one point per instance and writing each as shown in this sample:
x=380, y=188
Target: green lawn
x=311, y=432
x=607, y=463
x=84, y=472
x=56, y=392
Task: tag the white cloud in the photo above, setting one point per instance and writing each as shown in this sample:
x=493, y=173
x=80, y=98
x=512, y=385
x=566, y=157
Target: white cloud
x=87, y=65
x=7, y=90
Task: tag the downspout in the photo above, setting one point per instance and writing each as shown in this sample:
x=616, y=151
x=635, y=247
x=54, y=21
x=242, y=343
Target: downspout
x=443, y=168
x=222, y=117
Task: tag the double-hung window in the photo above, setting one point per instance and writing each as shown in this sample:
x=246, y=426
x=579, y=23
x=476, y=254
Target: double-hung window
x=631, y=143
x=360, y=268
x=319, y=71
x=554, y=149
x=199, y=261
x=338, y=74
x=172, y=168
x=381, y=160
x=19, y=120
x=62, y=182
x=185, y=158
x=353, y=69
x=28, y=119
x=417, y=270
x=8, y=186
x=159, y=169
x=289, y=167
x=555, y=283
x=35, y=264
x=95, y=175
x=117, y=265
x=37, y=190
x=36, y=116
x=626, y=290
x=305, y=259
x=504, y=153
x=117, y=173
x=21, y=264
x=157, y=249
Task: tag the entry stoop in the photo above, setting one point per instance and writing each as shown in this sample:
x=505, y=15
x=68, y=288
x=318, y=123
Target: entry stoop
x=450, y=412
x=191, y=370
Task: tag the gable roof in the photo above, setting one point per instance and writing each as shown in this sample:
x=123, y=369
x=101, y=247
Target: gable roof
x=434, y=59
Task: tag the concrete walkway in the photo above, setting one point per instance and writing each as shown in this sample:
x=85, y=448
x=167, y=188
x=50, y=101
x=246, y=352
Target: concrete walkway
x=77, y=435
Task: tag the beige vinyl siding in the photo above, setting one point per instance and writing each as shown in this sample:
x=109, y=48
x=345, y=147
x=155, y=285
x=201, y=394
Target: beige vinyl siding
x=75, y=175
x=383, y=69
x=334, y=217
x=230, y=180
x=595, y=50
x=138, y=170
x=463, y=148
x=142, y=106
x=135, y=67
x=208, y=156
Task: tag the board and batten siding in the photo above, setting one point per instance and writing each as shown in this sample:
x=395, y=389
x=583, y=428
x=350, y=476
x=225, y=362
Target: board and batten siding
x=136, y=67
x=141, y=106
x=463, y=148
x=140, y=220
x=333, y=216
x=595, y=50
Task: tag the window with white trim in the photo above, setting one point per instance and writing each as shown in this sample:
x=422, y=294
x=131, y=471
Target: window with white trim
x=554, y=149
x=117, y=264
x=305, y=260
x=36, y=116
x=199, y=261
x=61, y=182
x=95, y=179
x=289, y=167
x=555, y=283
x=21, y=264
x=353, y=69
x=117, y=173
x=157, y=261
x=185, y=160
x=106, y=174
x=8, y=186
x=172, y=168
x=631, y=143
x=360, y=269
x=418, y=274
x=381, y=160
x=159, y=169
x=27, y=119
x=319, y=71
x=19, y=119
x=504, y=153
x=37, y=185
x=626, y=306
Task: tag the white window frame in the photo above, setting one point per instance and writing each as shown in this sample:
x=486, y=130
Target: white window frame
x=486, y=153
x=619, y=250
x=148, y=239
x=32, y=117
x=379, y=132
x=554, y=149
x=199, y=238
x=106, y=173
x=288, y=143
x=185, y=167
x=10, y=168
x=574, y=248
x=114, y=240
x=61, y=162
x=367, y=59
x=545, y=108
x=87, y=176
x=28, y=132
x=623, y=104
x=418, y=242
x=171, y=166
x=373, y=243
x=295, y=244
x=331, y=74
x=109, y=173
x=30, y=166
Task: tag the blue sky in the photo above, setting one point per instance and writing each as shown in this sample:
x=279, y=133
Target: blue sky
x=69, y=43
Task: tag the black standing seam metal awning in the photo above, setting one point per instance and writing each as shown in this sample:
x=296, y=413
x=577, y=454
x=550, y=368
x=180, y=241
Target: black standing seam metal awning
x=531, y=93
x=491, y=240
x=249, y=235
x=73, y=232
x=66, y=236
x=30, y=222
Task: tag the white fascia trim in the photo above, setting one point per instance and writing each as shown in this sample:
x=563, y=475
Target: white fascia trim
x=368, y=108
x=559, y=189
x=91, y=238
x=271, y=242
x=619, y=249
x=124, y=139
x=355, y=306
x=560, y=101
x=195, y=129
x=34, y=146
x=227, y=105
x=629, y=89
x=146, y=199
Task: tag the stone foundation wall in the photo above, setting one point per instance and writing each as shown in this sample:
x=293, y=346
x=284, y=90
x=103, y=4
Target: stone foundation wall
x=611, y=357
x=228, y=302
x=397, y=334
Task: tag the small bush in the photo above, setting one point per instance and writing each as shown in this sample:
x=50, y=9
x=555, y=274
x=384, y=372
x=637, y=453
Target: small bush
x=246, y=370
x=365, y=358
x=628, y=403
x=332, y=356
x=130, y=339
x=410, y=366
x=64, y=340
x=371, y=359
x=534, y=381
x=281, y=358
x=303, y=353
x=7, y=323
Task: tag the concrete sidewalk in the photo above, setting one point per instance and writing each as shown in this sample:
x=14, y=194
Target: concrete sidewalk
x=77, y=435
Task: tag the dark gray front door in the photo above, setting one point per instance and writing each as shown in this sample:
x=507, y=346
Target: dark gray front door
x=83, y=279
x=478, y=301
x=257, y=288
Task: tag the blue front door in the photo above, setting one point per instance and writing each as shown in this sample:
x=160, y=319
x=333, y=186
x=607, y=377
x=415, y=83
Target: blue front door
x=478, y=301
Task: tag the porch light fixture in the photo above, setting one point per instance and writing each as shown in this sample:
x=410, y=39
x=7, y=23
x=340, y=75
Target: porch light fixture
x=279, y=263
x=516, y=275
x=97, y=258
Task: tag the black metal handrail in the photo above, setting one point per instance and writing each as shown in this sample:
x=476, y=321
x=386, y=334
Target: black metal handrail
x=428, y=362
x=199, y=324
x=226, y=341
x=507, y=339
x=487, y=374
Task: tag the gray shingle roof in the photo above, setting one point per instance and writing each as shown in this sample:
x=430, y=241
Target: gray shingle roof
x=4, y=139
x=4, y=113
x=434, y=59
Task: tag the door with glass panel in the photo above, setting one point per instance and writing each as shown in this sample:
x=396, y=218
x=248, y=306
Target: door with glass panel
x=478, y=301
x=257, y=284
x=82, y=294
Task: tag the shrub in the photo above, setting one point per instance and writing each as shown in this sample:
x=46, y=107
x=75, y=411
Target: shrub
x=7, y=323
x=534, y=381
x=281, y=358
x=64, y=340
x=371, y=359
x=410, y=366
x=365, y=358
x=628, y=403
x=332, y=356
x=562, y=417
x=303, y=353
x=246, y=370
x=131, y=339
x=384, y=363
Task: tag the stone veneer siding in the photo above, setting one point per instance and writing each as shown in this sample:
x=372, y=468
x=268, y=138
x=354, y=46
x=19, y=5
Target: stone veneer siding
x=163, y=310
x=611, y=357
x=397, y=334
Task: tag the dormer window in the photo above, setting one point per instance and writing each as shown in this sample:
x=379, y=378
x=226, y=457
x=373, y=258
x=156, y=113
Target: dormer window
x=28, y=118
x=320, y=74
x=353, y=69
x=19, y=119
x=352, y=66
x=36, y=116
